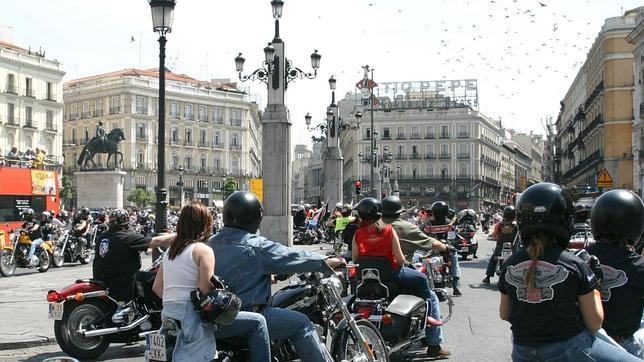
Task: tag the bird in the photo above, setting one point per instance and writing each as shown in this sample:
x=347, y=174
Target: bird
x=132, y=40
x=542, y=4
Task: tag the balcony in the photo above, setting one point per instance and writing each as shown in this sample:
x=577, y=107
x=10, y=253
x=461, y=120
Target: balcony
x=174, y=115
x=430, y=156
x=202, y=118
x=462, y=155
x=11, y=89
x=218, y=120
x=444, y=135
x=29, y=124
x=72, y=142
x=13, y=121
x=50, y=127
x=415, y=156
x=386, y=138
x=414, y=136
x=463, y=135
x=85, y=115
x=149, y=166
x=401, y=156
x=115, y=110
x=141, y=137
x=204, y=144
x=235, y=147
x=218, y=145
x=463, y=177
x=585, y=163
x=98, y=113
x=142, y=110
x=401, y=136
x=189, y=117
x=444, y=156
x=236, y=122
x=189, y=143
x=430, y=136
x=175, y=141
x=29, y=92
x=51, y=97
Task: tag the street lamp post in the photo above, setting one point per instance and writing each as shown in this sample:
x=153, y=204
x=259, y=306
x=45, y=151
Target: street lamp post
x=180, y=184
x=380, y=162
x=277, y=71
x=162, y=14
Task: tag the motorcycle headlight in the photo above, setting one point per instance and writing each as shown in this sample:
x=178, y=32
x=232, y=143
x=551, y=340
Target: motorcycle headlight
x=336, y=284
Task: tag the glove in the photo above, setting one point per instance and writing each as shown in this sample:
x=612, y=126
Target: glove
x=595, y=266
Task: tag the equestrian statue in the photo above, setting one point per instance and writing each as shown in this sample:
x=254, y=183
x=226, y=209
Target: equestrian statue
x=102, y=143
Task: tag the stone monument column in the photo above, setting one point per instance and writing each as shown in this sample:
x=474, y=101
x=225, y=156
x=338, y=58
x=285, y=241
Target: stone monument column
x=333, y=160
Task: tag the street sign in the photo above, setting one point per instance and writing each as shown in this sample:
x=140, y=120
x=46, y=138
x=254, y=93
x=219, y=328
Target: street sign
x=604, y=180
x=257, y=188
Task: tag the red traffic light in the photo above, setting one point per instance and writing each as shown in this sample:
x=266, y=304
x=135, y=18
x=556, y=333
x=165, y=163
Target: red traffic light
x=358, y=183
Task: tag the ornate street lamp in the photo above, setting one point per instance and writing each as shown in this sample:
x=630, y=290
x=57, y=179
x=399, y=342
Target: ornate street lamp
x=162, y=16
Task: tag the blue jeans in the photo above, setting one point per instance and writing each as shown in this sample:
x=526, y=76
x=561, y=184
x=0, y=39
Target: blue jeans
x=296, y=327
x=34, y=244
x=454, y=270
x=252, y=327
x=582, y=347
x=417, y=283
x=635, y=344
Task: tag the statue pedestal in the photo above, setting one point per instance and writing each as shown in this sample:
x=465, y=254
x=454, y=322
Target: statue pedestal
x=96, y=189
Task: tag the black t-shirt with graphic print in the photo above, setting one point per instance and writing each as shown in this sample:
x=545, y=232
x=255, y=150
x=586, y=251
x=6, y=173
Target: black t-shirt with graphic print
x=117, y=260
x=622, y=288
x=548, y=313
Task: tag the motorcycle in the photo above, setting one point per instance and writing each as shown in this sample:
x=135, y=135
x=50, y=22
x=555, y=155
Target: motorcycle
x=69, y=248
x=462, y=238
x=305, y=236
x=15, y=255
x=87, y=320
x=506, y=252
x=436, y=267
x=401, y=318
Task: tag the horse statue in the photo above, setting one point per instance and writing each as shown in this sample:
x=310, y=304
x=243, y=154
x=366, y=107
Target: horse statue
x=108, y=144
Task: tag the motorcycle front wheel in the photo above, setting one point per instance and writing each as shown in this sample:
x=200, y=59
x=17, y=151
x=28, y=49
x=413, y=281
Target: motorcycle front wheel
x=86, y=256
x=7, y=266
x=346, y=346
x=58, y=258
x=77, y=317
x=44, y=260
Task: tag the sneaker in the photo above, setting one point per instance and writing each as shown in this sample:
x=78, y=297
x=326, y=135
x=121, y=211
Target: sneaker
x=437, y=351
x=486, y=280
x=457, y=292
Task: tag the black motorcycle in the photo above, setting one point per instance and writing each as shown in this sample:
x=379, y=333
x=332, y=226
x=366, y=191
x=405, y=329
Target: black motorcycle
x=69, y=248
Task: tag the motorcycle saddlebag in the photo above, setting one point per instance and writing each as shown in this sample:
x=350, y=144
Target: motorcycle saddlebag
x=407, y=318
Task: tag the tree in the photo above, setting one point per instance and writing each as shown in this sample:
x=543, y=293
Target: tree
x=66, y=192
x=230, y=186
x=141, y=197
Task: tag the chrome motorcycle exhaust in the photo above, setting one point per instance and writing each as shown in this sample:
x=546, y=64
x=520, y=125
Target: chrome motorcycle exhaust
x=112, y=330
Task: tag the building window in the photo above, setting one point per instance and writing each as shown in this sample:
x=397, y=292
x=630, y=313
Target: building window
x=368, y=134
x=175, y=161
x=28, y=116
x=430, y=170
x=385, y=134
x=74, y=138
x=462, y=131
x=444, y=131
x=414, y=132
x=235, y=117
x=140, y=181
x=49, y=120
x=50, y=92
x=444, y=171
x=29, y=87
x=217, y=164
x=216, y=185
x=202, y=185
x=216, y=116
x=401, y=151
x=85, y=113
x=462, y=170
x=98, y=108
x=189, y=183
x=203, y=163
x=174, y=110
x=202, y=137
x=234, y=164
x=189, y=114
x=86, y=134
x=202, y=115
x=217, y=138
x=234, y=139
x=11, y=84
x=175, y=135
x=401, y=132
x=444, y=150
x=141, y=105
x=140, y=157
x=115, y=105
x=187, y=163
x=188, y=136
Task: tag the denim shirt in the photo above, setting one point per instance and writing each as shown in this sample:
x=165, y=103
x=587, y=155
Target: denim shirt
x=245, y=261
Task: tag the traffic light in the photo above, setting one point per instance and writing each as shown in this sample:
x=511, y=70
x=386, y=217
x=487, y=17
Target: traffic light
x=358, y=187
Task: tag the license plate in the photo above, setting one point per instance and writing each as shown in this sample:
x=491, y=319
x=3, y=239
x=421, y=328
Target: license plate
x=56, y=311
x=465, y=248
x=451, y=234
x=155, y=347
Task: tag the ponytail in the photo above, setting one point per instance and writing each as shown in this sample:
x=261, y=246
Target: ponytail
x=535, y=251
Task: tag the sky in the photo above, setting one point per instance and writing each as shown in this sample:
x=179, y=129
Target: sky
x=523, y=53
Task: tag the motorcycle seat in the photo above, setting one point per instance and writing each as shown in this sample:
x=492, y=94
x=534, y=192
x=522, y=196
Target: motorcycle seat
x=404, y=304
x=373, y=288
x=93, y=281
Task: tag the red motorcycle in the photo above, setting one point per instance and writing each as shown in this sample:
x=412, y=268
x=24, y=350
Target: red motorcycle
x=87, y=320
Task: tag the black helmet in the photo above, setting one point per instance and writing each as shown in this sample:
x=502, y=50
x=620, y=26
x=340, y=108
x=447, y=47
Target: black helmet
x=219, y=306
x=440, y=210
x=582, y=213
x=547, y=208
x=508, y=212
x=617, y=214
x=369, y=208
x=119, y=218
x=392, y=206
x=28, y=214
x=242, y=210
x=63, y=215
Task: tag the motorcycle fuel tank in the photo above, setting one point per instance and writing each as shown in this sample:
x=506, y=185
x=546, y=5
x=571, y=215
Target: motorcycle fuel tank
x=290, y=294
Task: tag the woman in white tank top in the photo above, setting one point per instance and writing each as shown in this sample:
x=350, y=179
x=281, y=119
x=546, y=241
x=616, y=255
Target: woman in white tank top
x=189, y=264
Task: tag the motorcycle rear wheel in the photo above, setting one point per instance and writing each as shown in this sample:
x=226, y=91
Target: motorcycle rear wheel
x=346, y=347
x=79, y=316
x=44, y=260
x=7, y=268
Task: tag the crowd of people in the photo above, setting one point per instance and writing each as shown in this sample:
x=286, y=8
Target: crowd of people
x=30, y=158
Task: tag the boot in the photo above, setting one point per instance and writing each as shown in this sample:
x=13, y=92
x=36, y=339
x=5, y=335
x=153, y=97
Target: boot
x=456, y=292
x=486, y=280
x=34, y=261
x=437, y=351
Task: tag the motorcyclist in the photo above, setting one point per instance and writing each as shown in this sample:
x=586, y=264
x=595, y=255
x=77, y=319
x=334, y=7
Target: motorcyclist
x=117, y=258
x=547, y=293
x=246, y=261
x=377, y=239
x=504, y=232
x=32, y=226
x=412, y=239
x=299, y=219
x=617, y=222
x=439, y=211
x=333, y=218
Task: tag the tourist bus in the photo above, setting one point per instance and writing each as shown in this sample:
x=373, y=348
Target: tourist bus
x=22, y=188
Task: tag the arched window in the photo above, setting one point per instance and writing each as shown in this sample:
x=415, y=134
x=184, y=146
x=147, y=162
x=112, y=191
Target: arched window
x=462, y=170
x=430, y=170
x=444, y=171
x=414, y=172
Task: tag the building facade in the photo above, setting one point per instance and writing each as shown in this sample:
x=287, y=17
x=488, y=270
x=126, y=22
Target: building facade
x=636, y=37
x=595, y=123
x=31, y=101
x=450, y=152
x=212, y=130
x=307, y=174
